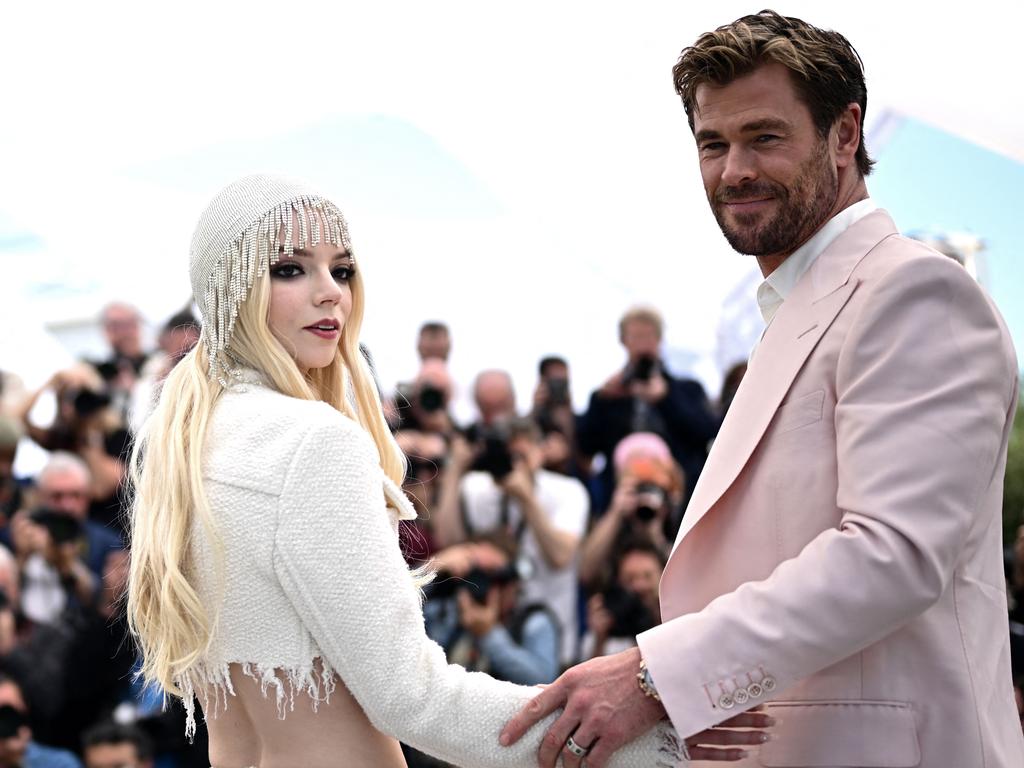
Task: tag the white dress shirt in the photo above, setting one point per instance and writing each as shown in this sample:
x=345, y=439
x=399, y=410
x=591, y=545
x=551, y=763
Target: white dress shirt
x=780, y=283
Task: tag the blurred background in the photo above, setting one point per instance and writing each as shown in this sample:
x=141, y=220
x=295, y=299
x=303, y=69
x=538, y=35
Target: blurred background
x=522, y=172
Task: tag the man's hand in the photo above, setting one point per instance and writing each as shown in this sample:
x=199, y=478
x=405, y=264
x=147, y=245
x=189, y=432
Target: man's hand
x=651, y=391
x=603, y=709
x=478, y=619
x=461, y=455
x=613, y=387
x=623, y=503
x=27, y=537
x=519, y=482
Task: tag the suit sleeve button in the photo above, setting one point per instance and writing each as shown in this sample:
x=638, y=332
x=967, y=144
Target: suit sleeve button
x=768, y=683
x=755, y=690
x=740, y=696
x=725, y=701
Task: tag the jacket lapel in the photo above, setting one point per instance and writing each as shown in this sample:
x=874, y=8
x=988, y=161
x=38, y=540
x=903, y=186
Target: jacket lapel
x=801, y=321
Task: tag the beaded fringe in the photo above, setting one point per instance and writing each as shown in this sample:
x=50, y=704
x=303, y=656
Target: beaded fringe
x=251, y=254
x=214, y=685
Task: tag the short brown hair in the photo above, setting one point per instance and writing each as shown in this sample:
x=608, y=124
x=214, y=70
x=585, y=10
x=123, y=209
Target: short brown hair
x=827, y=71
x=642, y=314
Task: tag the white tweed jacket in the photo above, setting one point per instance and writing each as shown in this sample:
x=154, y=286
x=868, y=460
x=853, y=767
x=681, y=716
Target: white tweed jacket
x=310, y=568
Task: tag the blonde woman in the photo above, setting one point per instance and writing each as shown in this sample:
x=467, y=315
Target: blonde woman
x=266, y=578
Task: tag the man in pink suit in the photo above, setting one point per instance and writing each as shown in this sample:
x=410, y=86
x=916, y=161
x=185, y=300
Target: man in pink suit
x=840, y=561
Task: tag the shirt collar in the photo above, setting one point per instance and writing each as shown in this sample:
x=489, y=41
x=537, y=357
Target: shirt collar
x=780, y=283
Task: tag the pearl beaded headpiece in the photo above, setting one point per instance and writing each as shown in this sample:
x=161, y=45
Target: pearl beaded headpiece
x=239, y=236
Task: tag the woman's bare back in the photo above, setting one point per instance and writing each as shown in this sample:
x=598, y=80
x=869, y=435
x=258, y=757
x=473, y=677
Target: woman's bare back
x=249, y=732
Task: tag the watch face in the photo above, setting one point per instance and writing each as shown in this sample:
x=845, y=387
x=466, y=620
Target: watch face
x=648, y=680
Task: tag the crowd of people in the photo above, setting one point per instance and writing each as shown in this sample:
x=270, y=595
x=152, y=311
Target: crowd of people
x=548, y=529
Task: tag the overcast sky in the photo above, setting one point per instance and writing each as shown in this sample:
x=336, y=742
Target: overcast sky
x=549, y=130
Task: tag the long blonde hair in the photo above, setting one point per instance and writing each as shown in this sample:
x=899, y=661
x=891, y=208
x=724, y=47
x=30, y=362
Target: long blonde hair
x=165, y=613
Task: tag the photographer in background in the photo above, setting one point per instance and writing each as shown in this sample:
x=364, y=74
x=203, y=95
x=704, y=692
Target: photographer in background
x=434, y=341
x=62, y=552
x=494, y=481
x=552, y=410
x=87, y=425
x=629, y=605
x=424, y=427
x=644, y=397
x=423, y=404
x=122, y=327
x=177, y=337
x=647, y=503
x=473, y=611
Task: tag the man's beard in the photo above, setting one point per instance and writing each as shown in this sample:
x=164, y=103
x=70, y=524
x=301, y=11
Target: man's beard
x=802, y=208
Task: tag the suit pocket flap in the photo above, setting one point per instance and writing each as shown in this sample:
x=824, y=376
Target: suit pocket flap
x=826, y=734
x=799, y=411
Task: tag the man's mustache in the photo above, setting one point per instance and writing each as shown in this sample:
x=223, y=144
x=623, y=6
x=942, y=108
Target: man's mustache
x=748, y=192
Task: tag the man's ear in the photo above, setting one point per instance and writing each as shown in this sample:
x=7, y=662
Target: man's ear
x=846, y=136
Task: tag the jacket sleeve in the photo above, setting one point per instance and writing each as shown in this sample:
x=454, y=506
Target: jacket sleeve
x=924, y=385
x=338, y=560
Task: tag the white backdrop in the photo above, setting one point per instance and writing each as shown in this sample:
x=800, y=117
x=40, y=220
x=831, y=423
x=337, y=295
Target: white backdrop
x=562, y=113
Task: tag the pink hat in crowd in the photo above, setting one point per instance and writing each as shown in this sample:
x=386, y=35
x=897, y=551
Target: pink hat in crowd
x=646, y=445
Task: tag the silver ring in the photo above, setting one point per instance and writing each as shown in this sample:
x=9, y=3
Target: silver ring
x=575, y=748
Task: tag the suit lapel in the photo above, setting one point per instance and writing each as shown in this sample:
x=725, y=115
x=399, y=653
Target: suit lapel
x=801, y=321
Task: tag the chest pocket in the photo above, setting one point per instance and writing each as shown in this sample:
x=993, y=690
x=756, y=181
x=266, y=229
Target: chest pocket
x=799, y=412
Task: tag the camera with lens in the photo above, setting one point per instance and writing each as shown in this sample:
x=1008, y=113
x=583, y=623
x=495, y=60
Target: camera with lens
x=630, y=616
x=430, y=398
x=558, y=391
x=493, y=454
x=86, y=402
x=11, y=721
x=650, y=498
x=642, y=370
x=62, y=527
x=477, y=582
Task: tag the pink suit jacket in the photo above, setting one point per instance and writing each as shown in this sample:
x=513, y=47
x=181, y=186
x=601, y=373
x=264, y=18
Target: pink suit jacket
x=841, y=558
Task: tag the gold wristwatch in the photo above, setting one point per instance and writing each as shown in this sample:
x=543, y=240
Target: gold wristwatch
x=646, y=682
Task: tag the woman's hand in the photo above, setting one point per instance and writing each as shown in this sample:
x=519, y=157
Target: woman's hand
x=725, y=743
x=623, y=503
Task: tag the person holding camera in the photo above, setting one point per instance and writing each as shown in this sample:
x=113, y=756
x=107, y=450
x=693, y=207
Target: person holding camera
x=647, y=502
x=424, y=427
x=630, y=603
x=644, y=397
x=62, y=552
x=473, y=611
x=121, y=370
x=495, y=481
x=86, y=424
x=552, y=410
x=423, y=404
